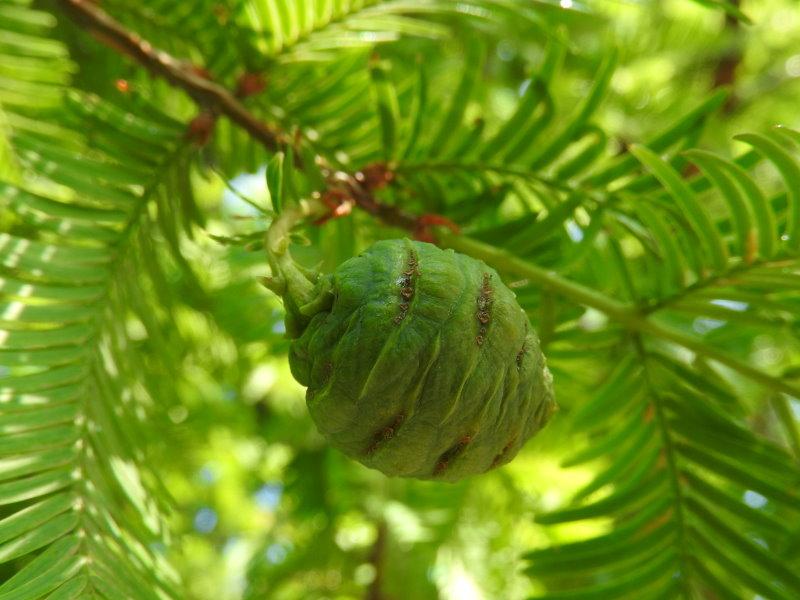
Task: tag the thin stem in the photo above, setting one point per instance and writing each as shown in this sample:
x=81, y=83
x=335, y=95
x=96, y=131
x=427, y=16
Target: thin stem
x=179, y=73
x=377, y=558
x=627, y=315
x=286, y=276
x=231, y=188
x=486, y=167
x=277, y=237
x=645, y=325
x=669, y=456
x=548, y=280
x=718, y=279
x=787, y=420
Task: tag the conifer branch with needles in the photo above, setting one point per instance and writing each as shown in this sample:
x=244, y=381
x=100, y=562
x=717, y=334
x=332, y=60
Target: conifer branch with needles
x=220, y=101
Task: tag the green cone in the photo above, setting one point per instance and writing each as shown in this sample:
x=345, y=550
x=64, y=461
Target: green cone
x=419, y=362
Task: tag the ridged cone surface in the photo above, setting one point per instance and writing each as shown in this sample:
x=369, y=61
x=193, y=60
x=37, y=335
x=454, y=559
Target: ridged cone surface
x=424, y=365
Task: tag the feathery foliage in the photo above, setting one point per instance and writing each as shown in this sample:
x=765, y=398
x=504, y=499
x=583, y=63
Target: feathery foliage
x=660, y=264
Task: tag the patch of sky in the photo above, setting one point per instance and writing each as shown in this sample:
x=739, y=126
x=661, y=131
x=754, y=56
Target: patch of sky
x=794, y=404
x=205, y=520
x=268, y=496
x=731, y=304
x=574, y=231
x=250, y=185
x=703, y=324
x=754, y=499
x=506, y=50
x=275, y=554
x=207, y=474
x=231, y=545
x=228, y=393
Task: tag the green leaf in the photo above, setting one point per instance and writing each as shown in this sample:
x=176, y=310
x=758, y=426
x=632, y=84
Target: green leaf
x=709, y=579
x=46, y=572
x=729, y=7
x=719, y=498
x=753, y=552
x=581, y=161
x=654, y=574
x=388, y=109
x=741, y=219
x=32, y=517
x=36, y=462
x=24, y=200
x=698, y=217
x=576, y=123
x=634, y=461
x=452, y=119
x=71, y=590
x=790, y=171
x=44, y=338
x=418, y=110
x=616, y=538
x=626, y=497
x=275, y=182
x=641, y=547
x=737, y=570
x=626, y=164
x=723, y=467
x=46, y=379
x=608, y=441
x=16, y=422
x=521, y=119
x=621, y=383
x=43, y=535
x=670, y=253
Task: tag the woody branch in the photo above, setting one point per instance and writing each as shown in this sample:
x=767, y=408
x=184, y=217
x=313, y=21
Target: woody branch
x=211, y=96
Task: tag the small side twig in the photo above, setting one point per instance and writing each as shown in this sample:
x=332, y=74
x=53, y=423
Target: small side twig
x=193, y=80
x=214, y=100
x=377, y=558
x=728, y=63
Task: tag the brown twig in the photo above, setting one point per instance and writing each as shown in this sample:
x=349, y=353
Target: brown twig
x=376, y=559
x=728, y=63
x=192, y=80
x=362, y=194
x=214, y=100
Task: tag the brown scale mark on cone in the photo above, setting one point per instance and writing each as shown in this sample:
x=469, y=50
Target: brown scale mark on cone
x=521, y=356
x=484, y=312
x=327, y=371
x=449, y=455
x=408, y=281
x=385, y=434
x=523, y=350
x=499, y=458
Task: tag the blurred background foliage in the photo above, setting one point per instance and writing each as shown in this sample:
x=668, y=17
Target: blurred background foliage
x=269, y=510
x=254, y=503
